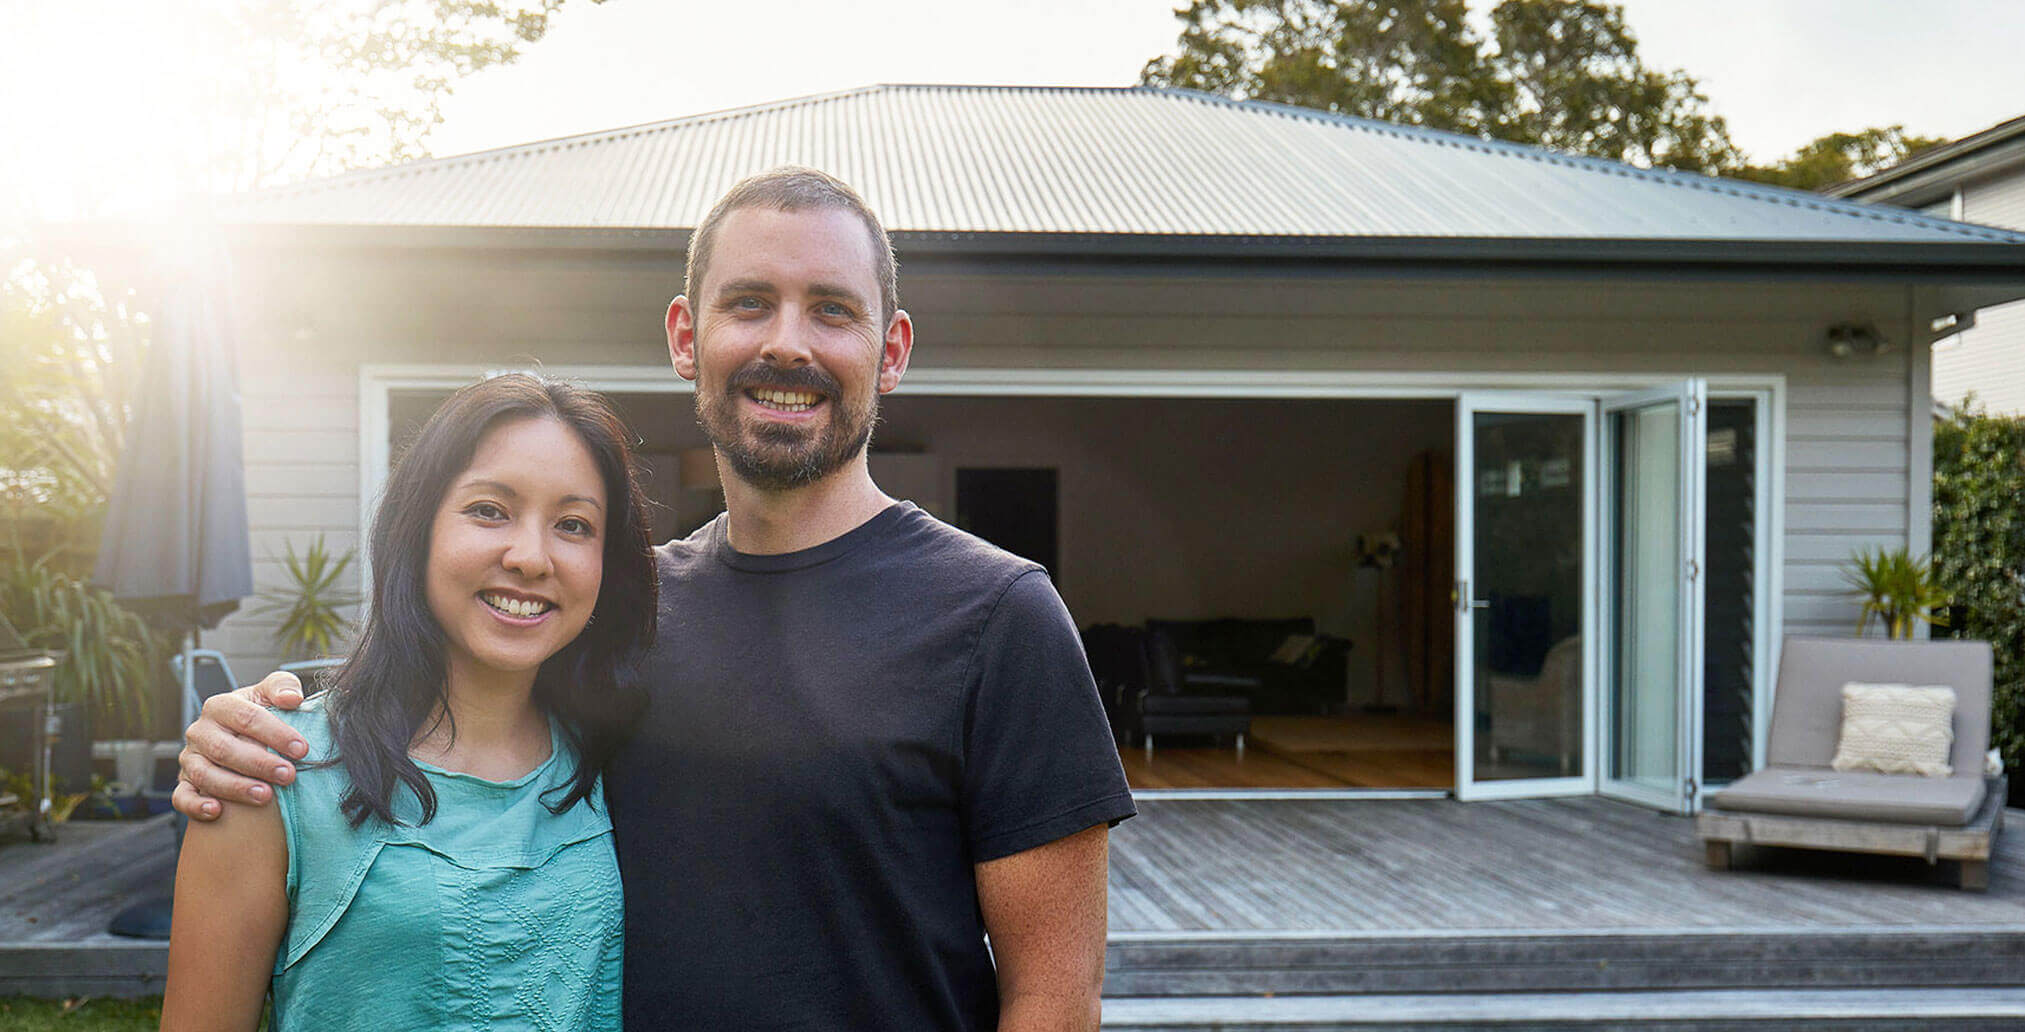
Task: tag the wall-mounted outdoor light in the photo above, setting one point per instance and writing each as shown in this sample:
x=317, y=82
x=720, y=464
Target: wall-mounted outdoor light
x=1848, y=340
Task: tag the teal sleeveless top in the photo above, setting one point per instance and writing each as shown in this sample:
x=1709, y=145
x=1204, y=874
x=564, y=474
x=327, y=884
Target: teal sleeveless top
x=497, y=914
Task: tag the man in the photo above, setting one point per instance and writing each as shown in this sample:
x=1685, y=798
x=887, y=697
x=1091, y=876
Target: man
x=873, y=739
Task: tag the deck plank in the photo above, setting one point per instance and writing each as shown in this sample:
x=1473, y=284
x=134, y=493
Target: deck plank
x=1581, y=863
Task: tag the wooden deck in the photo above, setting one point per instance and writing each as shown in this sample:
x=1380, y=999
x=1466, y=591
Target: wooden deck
x=56, y=899
x=1581, y=903
x=1417, y=909
x=1585, y=863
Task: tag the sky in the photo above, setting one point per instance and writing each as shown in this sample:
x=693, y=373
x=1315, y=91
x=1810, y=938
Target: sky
x=1781, y=71
x=96, y=95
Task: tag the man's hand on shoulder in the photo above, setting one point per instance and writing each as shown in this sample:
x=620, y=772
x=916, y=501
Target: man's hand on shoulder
x=225, y=753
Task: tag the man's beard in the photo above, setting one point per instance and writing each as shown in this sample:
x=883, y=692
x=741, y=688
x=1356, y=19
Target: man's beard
x=776, y=456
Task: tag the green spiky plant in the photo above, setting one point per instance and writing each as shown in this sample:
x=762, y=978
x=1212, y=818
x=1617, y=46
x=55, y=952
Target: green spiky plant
x=111, y=655
x=310, y=605
x=1898, y=589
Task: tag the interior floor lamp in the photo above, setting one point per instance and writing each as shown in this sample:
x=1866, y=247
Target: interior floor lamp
x=1379, y=550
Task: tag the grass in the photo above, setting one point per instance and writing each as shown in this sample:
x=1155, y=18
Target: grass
x=23, y=1014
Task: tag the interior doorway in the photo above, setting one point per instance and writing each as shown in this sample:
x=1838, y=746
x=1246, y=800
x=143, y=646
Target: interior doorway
x=1014, y=509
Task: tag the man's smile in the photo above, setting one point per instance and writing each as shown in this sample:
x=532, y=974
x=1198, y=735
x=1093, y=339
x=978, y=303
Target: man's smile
x=784, y=400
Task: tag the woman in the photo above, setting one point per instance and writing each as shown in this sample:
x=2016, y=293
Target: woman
x=446, y=860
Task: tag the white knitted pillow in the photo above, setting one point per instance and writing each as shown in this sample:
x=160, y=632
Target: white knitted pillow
x=1897, y=729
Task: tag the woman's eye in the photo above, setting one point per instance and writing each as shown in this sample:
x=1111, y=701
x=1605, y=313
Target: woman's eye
x=577, y=525
x=485, y=511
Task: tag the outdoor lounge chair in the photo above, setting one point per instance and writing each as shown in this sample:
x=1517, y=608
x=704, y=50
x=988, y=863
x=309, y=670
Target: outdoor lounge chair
x=1799, y=800
x=212, y=677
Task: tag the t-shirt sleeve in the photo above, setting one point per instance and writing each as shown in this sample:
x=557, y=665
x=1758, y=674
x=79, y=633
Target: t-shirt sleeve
x=1039, y=761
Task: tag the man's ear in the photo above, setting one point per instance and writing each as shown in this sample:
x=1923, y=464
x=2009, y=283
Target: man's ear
x=682, y=337
x=895, y=351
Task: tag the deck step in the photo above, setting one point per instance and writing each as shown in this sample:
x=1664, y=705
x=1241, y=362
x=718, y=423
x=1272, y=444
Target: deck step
x=100, y=966
x=1560, y=961
x=1759, y=1010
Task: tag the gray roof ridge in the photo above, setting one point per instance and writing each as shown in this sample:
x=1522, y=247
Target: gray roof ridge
x=1764, y=192
x=1932, y=157
x=409, y=168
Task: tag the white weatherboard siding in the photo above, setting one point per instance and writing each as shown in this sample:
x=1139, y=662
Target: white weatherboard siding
x=301, y=424
x=1988, y=359
x=1847, y=446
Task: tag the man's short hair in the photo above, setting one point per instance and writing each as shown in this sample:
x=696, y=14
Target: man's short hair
x=792, y=188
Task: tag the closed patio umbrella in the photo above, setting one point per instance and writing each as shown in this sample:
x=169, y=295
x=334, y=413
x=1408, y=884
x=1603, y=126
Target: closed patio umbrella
x=175, y=543
x=175, y=546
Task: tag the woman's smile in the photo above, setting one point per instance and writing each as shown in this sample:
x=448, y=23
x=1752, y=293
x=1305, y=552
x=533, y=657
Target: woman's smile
x=516, y=554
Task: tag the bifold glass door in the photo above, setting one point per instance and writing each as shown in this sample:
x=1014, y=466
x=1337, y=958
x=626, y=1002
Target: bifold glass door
x=1523, y=595
x=1579, y=594
x=1653, y=477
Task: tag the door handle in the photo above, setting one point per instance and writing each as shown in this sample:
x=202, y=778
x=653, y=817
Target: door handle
x=1459, y=597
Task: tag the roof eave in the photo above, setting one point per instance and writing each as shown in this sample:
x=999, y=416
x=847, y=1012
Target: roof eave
x=1911, y=182
x=2005, y=261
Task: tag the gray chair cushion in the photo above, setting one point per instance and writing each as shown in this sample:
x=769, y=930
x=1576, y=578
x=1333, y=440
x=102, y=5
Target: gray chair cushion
x=1856, y=795
x=1807, y=709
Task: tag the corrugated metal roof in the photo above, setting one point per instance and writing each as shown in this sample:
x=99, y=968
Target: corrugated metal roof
x=1039, y=160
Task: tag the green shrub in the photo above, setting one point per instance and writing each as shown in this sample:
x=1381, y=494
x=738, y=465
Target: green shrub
x=111, y=655
x=1979, y=552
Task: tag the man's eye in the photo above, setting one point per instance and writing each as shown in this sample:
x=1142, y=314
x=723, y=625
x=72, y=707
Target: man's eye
x=835, y=310
x=748, y=303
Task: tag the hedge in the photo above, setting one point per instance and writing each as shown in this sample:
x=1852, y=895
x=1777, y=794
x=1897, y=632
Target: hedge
x=1979, y=553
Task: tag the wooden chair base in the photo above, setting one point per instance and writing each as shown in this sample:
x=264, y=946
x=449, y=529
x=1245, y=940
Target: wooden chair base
x=1969, y=844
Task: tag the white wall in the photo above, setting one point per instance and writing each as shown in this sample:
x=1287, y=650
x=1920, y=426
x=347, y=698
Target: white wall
x=1852, y=448
x=1989, y=358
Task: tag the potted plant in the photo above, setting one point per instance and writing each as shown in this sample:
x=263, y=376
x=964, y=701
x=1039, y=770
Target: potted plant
x=310, y=603
x=1898, y=589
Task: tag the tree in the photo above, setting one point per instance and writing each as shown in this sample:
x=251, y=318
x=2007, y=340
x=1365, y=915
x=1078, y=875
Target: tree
x=1576, y=84
x=1563, y=74
x=70, y=357
x=1415, y=63
x=321, y=87
x=315, y=87
x=1840, y=157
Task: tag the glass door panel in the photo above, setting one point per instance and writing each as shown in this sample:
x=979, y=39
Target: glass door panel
x=1522, y=596
x=1652, y=603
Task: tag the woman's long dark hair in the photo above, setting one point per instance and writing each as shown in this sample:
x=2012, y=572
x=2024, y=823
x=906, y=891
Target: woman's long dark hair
x=394, y=681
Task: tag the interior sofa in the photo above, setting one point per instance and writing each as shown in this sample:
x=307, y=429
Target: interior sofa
x=1282, y=666
x=1208, y=678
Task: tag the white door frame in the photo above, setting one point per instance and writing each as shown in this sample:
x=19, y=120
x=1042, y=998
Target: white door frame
x=1467, y=787
x=1690, y=578
x=377, y=381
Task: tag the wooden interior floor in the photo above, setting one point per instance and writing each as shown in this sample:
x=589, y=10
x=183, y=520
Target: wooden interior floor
x=1352, y=751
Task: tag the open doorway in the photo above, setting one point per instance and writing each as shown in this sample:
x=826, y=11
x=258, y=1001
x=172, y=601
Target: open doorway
x=1210, y=551
x=1207, y=548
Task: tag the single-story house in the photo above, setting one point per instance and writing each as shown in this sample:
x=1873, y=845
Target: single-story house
x=1978, y=178
x=1629, y=424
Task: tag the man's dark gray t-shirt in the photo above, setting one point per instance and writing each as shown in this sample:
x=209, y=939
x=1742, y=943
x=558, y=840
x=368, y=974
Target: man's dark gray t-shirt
x=835, y=737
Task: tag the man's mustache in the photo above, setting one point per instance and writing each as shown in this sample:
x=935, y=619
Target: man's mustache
x=760, y=373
